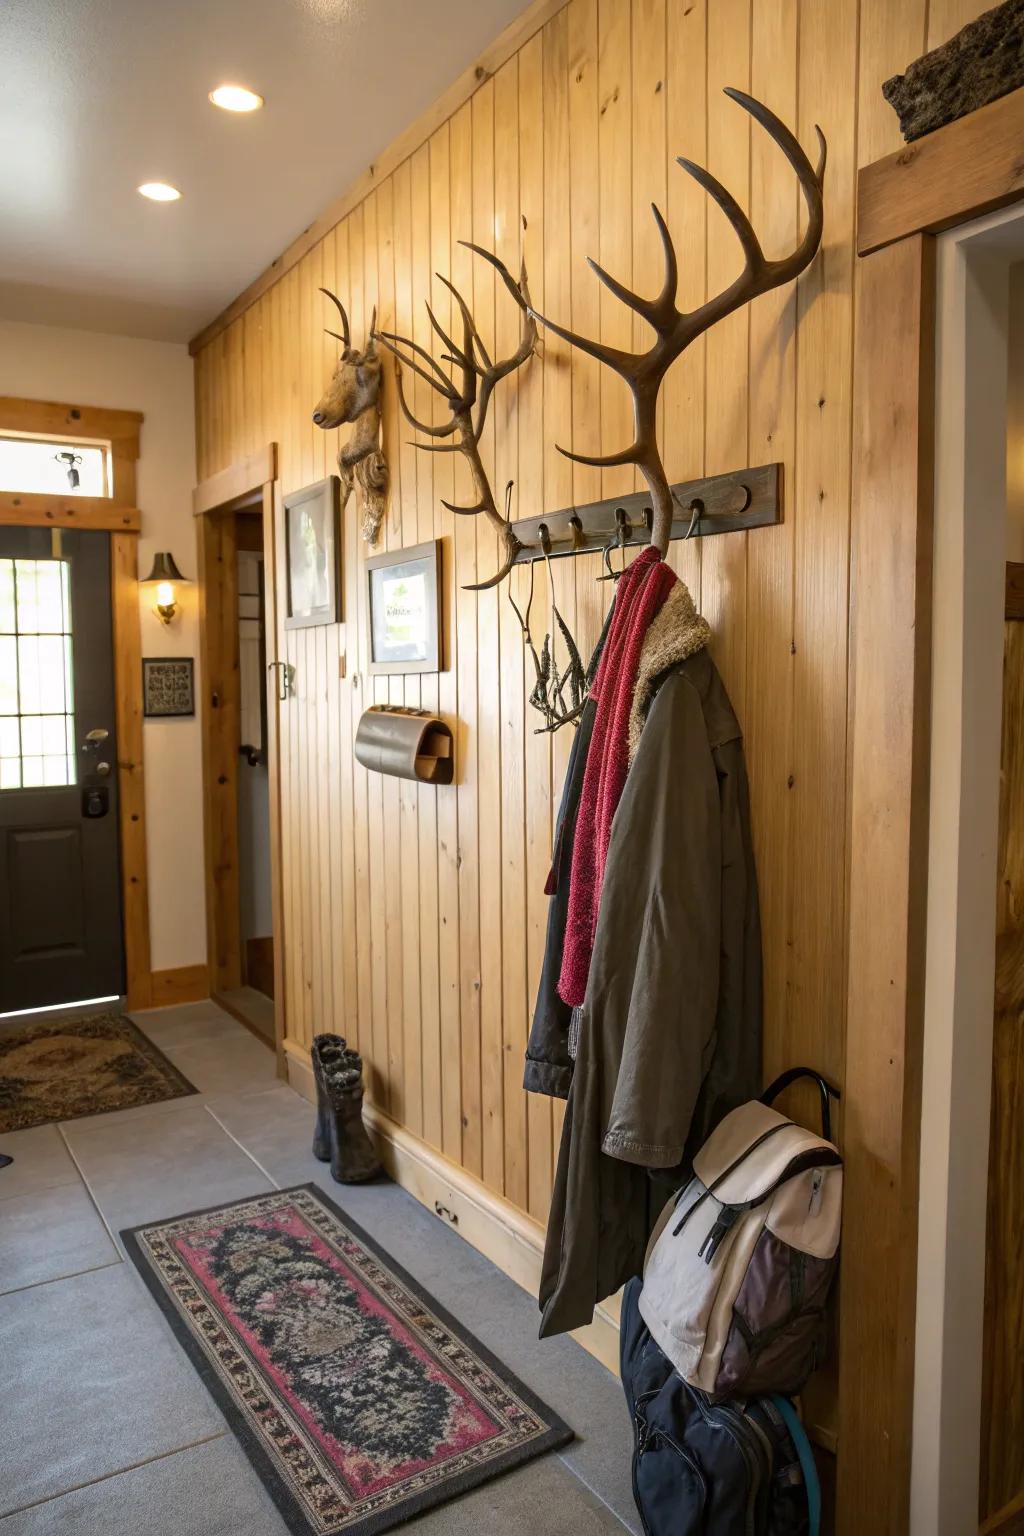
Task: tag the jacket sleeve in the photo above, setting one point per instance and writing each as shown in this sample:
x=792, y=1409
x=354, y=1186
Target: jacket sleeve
x=656, y=984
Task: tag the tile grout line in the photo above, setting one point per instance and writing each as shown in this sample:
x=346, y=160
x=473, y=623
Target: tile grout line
x=216, y=1118
x=591, y=1489
x=92, y=1269
x=105, y=1477
x=89, y=1192
x=41, y=1189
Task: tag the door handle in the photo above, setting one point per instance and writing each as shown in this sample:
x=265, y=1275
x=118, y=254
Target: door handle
x=284, y=679
x=94, y=739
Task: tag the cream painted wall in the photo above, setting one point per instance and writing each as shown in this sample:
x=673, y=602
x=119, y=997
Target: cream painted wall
x=86, y=368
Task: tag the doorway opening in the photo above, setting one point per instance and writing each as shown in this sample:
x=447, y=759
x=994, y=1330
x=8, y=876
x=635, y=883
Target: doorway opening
x=245, y=940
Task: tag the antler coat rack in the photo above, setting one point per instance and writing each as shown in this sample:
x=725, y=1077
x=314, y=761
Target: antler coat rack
x=674, y=329
x=353, y=395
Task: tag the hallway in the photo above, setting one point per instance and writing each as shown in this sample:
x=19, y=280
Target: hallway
x=132, y=1439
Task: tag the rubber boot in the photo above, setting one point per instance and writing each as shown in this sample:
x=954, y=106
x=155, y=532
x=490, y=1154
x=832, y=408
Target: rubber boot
x=353, y=1160
x=325, y=1048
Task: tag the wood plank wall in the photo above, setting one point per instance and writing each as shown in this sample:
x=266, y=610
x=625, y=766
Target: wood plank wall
x=415, y=916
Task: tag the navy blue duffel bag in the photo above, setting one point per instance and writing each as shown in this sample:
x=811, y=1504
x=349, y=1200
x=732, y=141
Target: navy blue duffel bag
x=740, y=1468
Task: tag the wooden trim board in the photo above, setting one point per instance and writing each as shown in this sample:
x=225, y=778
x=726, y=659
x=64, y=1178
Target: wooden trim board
x=518, y=32
x=82, y=423
x=1015, y=589
x=246, y=478
x=35, y=509
x=182, y=984
x=890, y=639
x=496, y=1228
x=956, y=173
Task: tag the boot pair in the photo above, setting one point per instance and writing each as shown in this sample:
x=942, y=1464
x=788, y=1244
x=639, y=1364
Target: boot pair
x=340, y=1137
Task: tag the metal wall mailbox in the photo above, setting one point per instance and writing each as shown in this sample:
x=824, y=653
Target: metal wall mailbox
x=408, y=743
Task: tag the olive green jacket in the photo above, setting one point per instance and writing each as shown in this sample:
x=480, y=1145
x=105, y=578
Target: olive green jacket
x=670, y=1030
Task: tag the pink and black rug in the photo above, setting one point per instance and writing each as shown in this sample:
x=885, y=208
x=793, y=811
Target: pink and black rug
x=359, y=1401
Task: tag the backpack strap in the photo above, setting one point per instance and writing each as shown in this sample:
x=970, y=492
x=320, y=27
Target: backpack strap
x=805, y=1456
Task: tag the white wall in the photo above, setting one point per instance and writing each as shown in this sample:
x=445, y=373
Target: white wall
x=85, y=368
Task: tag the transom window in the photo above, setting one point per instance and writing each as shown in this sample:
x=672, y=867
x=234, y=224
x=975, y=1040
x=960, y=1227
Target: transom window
x=37, y=726
x=34, y=464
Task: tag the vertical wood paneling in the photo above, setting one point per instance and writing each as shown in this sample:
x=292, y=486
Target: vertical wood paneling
x=416, y=916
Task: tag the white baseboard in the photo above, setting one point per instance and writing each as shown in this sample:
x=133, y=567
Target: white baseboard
x=506, y=1235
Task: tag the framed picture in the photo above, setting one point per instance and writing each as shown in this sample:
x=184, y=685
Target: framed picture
x=312, y=535
x=167, y=686
x=404, y=610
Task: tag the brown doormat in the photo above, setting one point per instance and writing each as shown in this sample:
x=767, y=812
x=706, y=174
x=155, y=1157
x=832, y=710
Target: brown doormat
x=63, y=1070
x=359, y=1401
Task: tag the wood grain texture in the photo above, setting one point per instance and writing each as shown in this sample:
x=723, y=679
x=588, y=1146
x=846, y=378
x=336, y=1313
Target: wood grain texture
x=37, y=509
x=78, y=423
x=888, y=808
x=131, y=788
x=182, y=984
x=422, y=912
x=956, y=173
x=1002, y=1430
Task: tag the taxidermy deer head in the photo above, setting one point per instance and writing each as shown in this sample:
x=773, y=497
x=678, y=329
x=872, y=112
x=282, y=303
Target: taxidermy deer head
x=353, y=395
x=674, y=330
x=468, y=399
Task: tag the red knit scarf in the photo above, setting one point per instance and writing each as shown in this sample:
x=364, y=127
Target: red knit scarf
x=639, y=596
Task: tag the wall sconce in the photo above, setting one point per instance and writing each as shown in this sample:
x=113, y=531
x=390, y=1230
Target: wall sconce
x=164, y=574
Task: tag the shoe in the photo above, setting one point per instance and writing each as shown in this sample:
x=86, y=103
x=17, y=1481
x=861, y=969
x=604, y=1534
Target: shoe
x=351, y=1155
x=329, y=1046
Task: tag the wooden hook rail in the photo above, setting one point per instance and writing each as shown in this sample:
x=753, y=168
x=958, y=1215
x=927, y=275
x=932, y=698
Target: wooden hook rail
x=743, y=498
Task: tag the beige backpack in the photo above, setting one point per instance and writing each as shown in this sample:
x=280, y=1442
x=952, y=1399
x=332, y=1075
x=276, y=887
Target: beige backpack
x=740, y=1264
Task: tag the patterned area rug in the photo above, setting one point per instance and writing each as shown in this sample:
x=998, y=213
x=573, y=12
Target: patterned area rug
x=358, y=1400
x=64, y=1070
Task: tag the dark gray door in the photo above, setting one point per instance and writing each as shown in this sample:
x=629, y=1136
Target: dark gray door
x=60, y=898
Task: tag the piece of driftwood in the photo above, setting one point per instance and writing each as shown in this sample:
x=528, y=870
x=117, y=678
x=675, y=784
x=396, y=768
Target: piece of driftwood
x=353, y=395
x=981, y=63
x=467, y=400
x=674, y=329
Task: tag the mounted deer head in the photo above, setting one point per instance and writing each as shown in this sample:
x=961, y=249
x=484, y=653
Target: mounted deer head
x=468, y=400
x=354, y=395
x=674, y=330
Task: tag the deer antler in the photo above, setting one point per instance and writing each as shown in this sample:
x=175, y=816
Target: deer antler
x=469, y=398
x=674, y=329
x=346, y=339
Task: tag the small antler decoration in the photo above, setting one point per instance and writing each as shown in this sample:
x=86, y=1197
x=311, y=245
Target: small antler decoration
x=353, y=395
x=468, y=400
x=548, y=693
x=674, y=330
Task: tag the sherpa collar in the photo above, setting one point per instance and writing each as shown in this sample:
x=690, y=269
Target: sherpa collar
x=676, y=633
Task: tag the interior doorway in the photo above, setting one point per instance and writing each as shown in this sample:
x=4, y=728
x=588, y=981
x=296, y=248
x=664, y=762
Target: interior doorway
x=236, y=559
x=968, y=1391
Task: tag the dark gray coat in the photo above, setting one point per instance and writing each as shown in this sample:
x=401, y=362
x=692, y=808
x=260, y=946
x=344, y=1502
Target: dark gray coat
x=670, y=1036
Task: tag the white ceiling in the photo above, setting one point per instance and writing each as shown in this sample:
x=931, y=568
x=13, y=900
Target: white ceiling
x=97, y=96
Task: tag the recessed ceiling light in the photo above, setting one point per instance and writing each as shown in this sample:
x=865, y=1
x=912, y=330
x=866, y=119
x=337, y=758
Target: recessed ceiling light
x=236, y=98
x=159, y=191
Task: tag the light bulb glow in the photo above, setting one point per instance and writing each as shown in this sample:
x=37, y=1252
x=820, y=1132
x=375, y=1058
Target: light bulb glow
x=236, y=98
x=159, y=192
x=164, y=594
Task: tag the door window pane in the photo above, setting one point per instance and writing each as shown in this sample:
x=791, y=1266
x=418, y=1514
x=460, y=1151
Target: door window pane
x=37, y=726
x=31, y=464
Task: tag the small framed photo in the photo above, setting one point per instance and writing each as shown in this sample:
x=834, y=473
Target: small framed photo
x=312, y=536
x=167, y=686
x=404, y=609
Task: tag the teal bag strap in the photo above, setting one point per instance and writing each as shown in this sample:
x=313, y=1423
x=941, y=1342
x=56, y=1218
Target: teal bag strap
x=805, y=1455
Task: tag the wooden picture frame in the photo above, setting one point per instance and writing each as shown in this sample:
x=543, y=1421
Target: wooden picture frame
x=411, y=642
x=168, y=687
x=312, y=555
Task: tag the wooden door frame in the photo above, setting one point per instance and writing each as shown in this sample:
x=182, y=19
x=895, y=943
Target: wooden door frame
x=249, y=484
x=946, y=179
x=118, y=515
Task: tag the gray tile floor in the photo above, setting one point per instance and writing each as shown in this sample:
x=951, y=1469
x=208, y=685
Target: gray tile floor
x=105, y=1429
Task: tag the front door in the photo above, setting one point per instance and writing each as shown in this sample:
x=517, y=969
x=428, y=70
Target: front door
x=60, y=901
